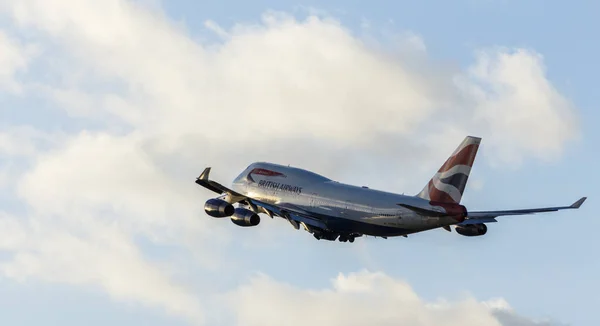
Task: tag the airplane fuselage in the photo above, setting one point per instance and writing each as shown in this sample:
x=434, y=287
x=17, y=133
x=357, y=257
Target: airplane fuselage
x=343, y=208
x=333, y=210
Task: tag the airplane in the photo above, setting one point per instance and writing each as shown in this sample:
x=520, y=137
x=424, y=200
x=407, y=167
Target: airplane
x=333, y=210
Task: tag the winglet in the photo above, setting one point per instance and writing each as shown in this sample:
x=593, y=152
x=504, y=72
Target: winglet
x=204, y=175
x=578, y=203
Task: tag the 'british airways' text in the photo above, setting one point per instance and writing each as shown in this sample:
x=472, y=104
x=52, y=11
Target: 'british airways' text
x=279, y=186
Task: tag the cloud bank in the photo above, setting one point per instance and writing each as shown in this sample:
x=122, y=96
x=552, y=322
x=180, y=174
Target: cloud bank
x=137, y=106
x=363, y=298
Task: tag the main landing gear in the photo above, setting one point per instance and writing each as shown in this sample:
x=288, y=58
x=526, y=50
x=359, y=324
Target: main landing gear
x=325, y=235
x=333, y=236
x=344, y=238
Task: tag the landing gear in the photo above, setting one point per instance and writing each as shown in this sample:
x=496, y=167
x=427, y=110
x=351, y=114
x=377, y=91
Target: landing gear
x=344, y=238
x=332, y=236
x=325, y=235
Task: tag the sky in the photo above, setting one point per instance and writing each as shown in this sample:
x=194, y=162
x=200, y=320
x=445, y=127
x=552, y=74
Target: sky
x=109, y=110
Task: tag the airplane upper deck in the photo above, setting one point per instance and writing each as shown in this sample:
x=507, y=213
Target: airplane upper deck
x=291, y=171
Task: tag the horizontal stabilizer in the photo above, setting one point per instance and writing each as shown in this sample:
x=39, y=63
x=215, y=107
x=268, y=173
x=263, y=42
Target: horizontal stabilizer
x=438, y=209
x=423, y=211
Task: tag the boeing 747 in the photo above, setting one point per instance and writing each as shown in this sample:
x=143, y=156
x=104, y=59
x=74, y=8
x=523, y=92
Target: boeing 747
x=332, y=210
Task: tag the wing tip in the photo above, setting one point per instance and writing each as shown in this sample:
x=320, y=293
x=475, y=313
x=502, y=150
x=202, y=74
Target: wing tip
x=578, y=203
x=204, y=175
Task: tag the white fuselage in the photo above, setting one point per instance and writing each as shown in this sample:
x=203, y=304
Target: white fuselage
x=343, y=208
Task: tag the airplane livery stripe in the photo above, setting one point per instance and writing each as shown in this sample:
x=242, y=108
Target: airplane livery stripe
x=464, y=169
x=458, y=181
x=449, y=183
x=450, y=190
x=438, y=195
x=468, y=141
x=466, y=156
x=452, y=187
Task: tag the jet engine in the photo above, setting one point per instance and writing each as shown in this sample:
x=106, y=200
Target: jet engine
x=245, y=217
x=472, y=230
x=218, y=208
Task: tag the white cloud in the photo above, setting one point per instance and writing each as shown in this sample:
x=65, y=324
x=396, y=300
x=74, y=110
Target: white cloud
x=23, y=141
x=296, y=80
x=304, y=92
x=120, y=181
x=292, y=80
x=326, y=82
x=104, y=170
x=14, y=57
x=513, y=97
x=18, y=145
x=362, y=298
x=91, y=254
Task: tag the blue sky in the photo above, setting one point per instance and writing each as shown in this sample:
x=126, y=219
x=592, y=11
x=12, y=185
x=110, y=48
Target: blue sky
x=118, y=110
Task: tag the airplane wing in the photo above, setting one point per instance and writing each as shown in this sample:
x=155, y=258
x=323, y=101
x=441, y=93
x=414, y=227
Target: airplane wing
x=490, y=216
x=292, y=213
x=205, y=182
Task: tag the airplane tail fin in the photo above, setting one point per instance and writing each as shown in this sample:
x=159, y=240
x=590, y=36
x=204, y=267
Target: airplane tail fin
x=448, y=184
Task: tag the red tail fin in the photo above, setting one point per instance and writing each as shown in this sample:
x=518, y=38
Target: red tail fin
x=448, y=184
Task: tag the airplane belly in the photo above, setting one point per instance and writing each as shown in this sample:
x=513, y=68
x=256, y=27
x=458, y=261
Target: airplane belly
x=367, y=225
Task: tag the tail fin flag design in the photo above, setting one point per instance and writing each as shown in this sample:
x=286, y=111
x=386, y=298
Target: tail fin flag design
x=448, y=184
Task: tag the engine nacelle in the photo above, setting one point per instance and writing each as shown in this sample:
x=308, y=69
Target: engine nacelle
x=218, y=208
x=472, y=230
x=245, y=217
